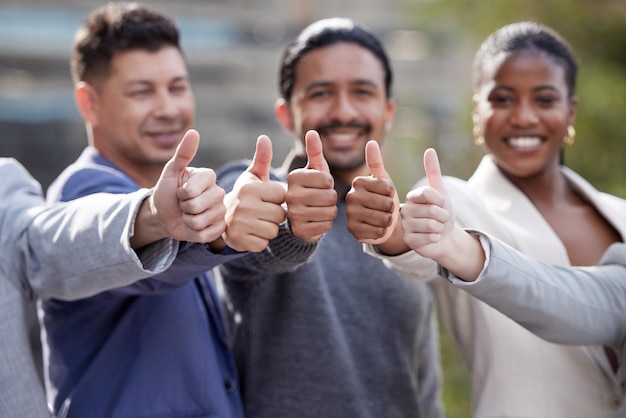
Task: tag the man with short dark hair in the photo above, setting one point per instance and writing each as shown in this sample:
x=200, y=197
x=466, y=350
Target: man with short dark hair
x=159, y=347
x=77, y=249
x=341, y=335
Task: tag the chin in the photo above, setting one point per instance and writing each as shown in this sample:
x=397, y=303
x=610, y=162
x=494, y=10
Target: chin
x=345, y=166
x=161, y=158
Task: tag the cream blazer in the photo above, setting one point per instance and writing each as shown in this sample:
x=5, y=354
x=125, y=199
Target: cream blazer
x=515, y=373
x=584, y=305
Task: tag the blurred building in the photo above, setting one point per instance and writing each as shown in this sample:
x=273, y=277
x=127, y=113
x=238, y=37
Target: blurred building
x=233, y=48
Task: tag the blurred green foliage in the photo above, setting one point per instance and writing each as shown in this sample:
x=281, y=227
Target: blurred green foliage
x=596, y=31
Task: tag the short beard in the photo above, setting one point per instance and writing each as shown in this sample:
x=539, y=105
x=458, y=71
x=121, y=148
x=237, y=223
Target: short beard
x=348, y=167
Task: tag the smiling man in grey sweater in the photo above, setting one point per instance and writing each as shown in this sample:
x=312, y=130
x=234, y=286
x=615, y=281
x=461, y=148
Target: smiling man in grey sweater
x=341, y=335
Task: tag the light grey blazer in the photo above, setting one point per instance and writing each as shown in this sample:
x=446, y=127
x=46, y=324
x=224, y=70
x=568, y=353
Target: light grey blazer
x=565, y=305
x=65, y=251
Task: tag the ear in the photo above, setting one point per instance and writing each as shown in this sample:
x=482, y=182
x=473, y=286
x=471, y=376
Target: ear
x=283, y=115
x=391, y=113
x=87, y=102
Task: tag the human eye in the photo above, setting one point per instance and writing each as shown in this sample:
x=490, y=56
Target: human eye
x=139, y=90
x=364, y=92
x=319, y=93
x=499, y=99
x=179, y=88
x=546, y=100
x=138, y=93
x=179, y=85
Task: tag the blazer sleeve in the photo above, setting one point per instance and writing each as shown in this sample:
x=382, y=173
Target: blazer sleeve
x=567, y=305
x=81, y=248
x=84, y=180
x=69, y=250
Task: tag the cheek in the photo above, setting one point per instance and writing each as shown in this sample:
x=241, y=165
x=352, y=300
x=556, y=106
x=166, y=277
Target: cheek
x=187, y=105
x=491, y=120
x=308, y=116
x=129, y=119
x=113, y=116
x=133, y=115
x=315, y=111
x=559, y=121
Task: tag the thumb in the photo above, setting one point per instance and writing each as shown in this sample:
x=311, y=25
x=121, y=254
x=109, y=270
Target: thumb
x=262, y=161
x=374, y=160
x=315, y=152
x=433, y=170
x=185, y=152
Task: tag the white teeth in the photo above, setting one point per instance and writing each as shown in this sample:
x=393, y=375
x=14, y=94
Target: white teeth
x=341, y=137
x=525, y=142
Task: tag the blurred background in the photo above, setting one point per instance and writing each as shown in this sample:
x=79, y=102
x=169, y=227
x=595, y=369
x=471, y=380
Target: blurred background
x=233, y=48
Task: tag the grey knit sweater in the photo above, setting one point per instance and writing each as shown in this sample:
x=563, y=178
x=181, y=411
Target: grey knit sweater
x=340, y=336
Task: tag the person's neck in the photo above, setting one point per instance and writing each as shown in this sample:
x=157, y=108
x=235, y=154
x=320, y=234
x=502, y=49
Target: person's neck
x=145, y=177
x=547, y=188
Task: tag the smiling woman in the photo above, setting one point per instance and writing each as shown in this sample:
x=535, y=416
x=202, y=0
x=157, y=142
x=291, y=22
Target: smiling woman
x=524, y=109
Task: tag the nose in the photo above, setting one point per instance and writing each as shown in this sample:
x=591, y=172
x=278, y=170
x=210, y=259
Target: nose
x=344, y=109
x=524, y=114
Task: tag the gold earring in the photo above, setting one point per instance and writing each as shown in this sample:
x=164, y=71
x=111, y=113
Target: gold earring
x=478, y=138
x=571, y=135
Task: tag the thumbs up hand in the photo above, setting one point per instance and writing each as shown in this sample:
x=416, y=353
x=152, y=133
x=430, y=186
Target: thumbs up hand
x=428, y=222
x=373, y=204
x=187, y=199
x=311, y=197
x=254, y=206
x=427, y=216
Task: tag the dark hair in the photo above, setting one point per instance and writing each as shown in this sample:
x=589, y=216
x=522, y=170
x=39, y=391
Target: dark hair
x=523, y=36
x=118, y=27
x=323, y=33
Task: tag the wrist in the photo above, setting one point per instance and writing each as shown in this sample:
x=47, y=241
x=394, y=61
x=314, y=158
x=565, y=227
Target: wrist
x=148, y=226
x=394, y=245
x=467, y=257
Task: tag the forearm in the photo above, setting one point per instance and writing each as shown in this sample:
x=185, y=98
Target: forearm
x=561, y=304
x=94, y=230
x=467, y=257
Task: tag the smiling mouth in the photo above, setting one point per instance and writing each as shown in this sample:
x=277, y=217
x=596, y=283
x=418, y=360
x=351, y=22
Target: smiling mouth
x=162, y=133
x=525, y=142
x=167, y=139
x=342, y=137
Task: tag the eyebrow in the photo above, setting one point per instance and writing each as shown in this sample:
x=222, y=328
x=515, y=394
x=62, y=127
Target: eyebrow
x=358, y=82
x=143, y=82
x=538, y=88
